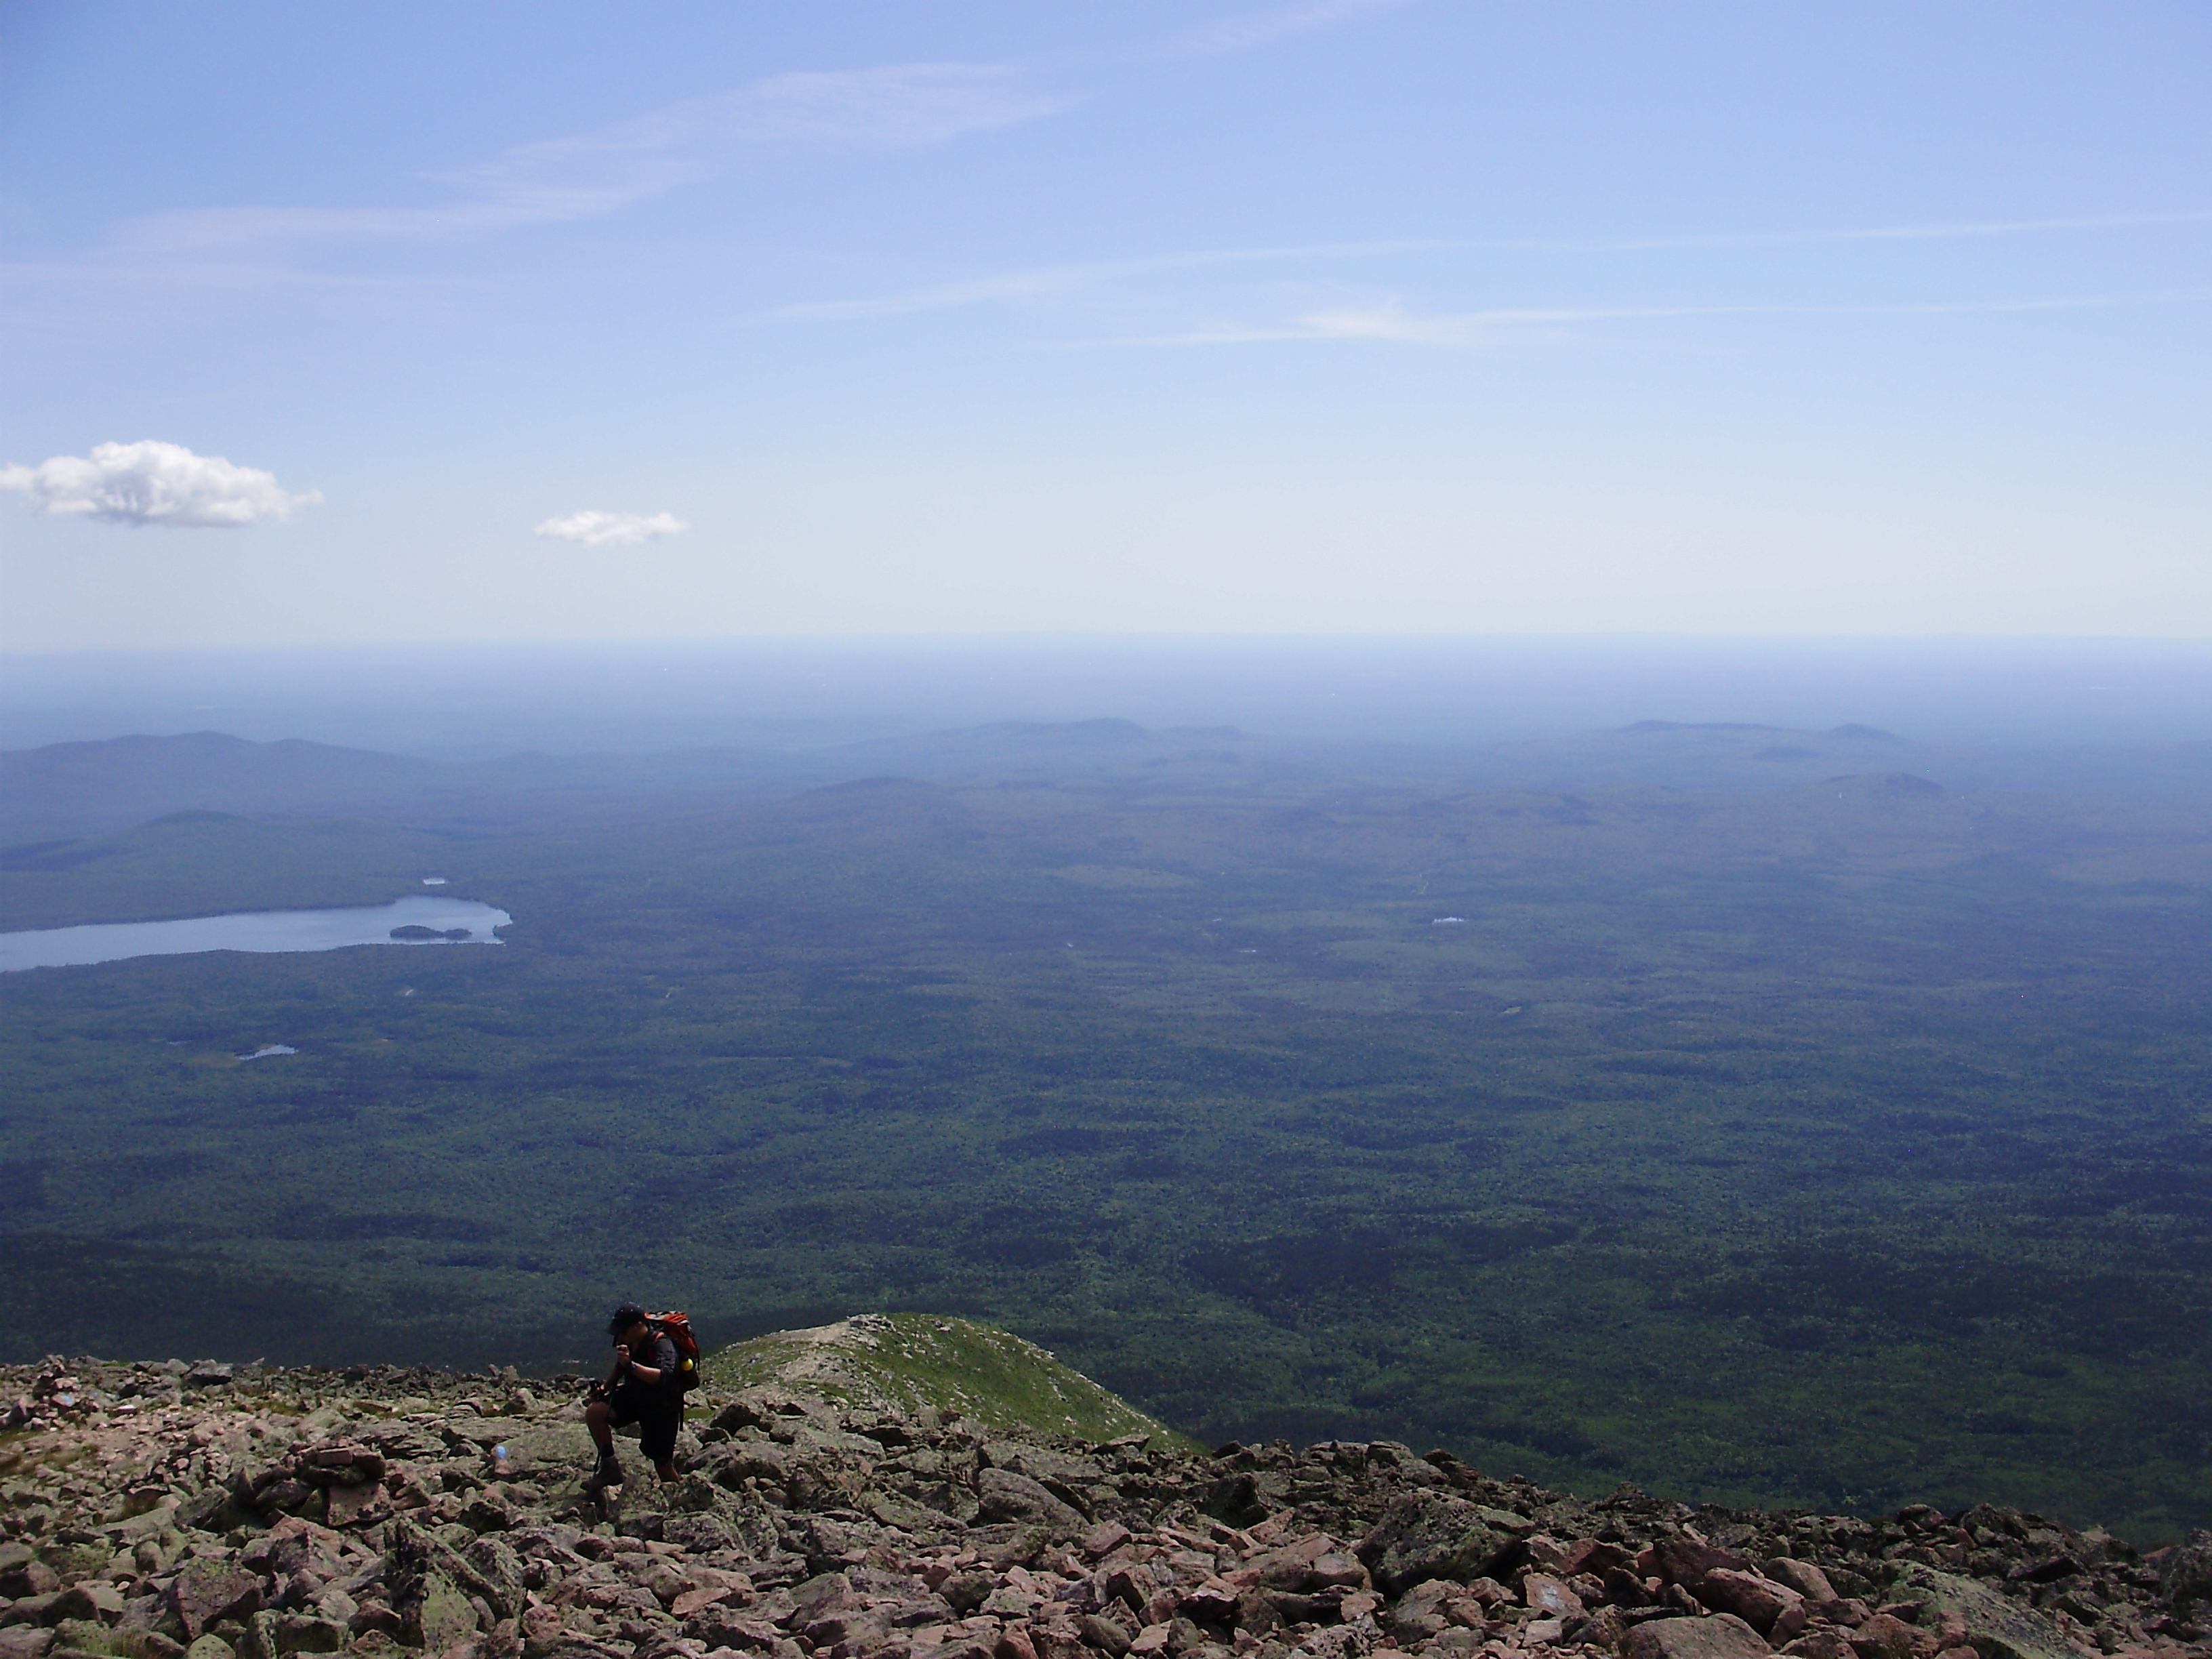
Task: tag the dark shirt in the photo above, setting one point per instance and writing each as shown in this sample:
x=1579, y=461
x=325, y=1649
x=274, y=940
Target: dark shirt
x=660, y=1354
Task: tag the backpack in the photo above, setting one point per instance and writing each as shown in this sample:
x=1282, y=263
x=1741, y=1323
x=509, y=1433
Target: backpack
x=677, y=1328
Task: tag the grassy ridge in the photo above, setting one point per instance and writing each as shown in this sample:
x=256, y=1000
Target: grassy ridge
x=903, y=1362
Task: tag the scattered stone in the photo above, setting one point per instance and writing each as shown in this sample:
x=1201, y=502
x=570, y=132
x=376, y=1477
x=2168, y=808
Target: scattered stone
x=252, y=1513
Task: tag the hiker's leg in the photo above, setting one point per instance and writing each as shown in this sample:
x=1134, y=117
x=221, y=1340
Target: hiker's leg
x=657, y=1438
x=600, y=1418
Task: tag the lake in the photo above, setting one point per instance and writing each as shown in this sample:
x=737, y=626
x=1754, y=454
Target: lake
x=429, y=921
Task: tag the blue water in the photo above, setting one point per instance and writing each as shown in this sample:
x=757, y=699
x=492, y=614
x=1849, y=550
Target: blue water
x=251, y=930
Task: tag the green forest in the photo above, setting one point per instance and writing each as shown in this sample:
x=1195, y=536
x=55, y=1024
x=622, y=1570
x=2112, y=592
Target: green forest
x=1841, y=1144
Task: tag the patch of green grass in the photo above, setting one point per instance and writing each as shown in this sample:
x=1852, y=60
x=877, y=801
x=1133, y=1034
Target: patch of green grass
x=912, y=1360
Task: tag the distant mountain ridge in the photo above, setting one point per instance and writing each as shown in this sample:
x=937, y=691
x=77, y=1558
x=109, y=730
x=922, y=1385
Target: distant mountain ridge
x=64, y=791
x=1850, y=730
x=86, y=788
x=73, y=789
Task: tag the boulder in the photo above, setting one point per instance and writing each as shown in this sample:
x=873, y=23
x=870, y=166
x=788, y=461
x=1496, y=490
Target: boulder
x=34, y=1609
x=1683, y=1558
x=703, y=1535
x=490, y=1570
x=1548, y=1597
x=967, y=1591
x=1005, y=1496
x=862, y=1628
x=1298, y=1566
x=499, y=1574
x=734, y=1462
x=89, y=1635
x=1595, y=1557
x=436, y=1614
x=28, y=1576
x=94, y=1601
x=1605, y=1629
x=1825, y=1642
x=1623, y=1588
x=1103, y=1634
x=1998, y=1627
x=1211, y=1602
x=1885, y=1636
x=205, y=1592
x=337, y=1462
x=1807, y=1580
x=1235, y=1499
x=1425, y=1534
x=544, y=1449
x=1723, y=1635
x=1759, y=1602
x=719, y=1627
x=300, y=1632
x=2185, y=1575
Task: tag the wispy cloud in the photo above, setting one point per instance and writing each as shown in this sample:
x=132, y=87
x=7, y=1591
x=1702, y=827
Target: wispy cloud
x=152, y=482
x=1042, y=282
x=596, y=172
x=594, y=528
x=1390, y=322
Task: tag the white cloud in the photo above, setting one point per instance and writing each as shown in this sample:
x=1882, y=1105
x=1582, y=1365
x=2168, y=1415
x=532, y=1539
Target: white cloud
x=154, y=482
x=597, y=529
x=896, y=106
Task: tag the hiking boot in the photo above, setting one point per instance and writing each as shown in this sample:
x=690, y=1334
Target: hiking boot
x=609, y=1473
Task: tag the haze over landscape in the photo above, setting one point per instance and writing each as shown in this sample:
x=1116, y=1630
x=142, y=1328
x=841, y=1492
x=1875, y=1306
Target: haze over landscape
x=1484, y=726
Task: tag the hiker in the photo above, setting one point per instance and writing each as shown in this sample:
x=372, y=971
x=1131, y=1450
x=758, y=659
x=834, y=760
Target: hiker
x=645, y=1387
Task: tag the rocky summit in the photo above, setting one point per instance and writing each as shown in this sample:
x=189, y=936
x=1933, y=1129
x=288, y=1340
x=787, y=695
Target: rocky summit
x=161, y=1510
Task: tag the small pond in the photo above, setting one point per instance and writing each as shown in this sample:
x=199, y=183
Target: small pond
x=407, y=921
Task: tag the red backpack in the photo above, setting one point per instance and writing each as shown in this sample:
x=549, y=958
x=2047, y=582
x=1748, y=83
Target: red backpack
x=677, y=1328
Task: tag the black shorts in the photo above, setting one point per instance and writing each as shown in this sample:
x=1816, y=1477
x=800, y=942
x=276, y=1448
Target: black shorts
x=657, y=1415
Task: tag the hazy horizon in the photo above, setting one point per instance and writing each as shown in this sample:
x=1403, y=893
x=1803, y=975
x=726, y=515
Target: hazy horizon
x=785, y=694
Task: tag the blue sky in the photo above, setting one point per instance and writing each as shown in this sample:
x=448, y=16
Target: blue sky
x=626, y=320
